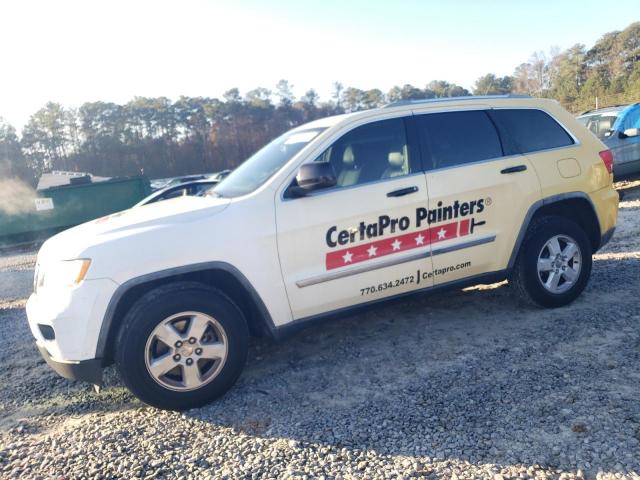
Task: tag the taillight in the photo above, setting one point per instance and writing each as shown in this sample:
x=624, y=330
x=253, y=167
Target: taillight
x=607, y=158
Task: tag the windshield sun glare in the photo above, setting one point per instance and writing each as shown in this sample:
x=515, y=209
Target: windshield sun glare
x=262, y=165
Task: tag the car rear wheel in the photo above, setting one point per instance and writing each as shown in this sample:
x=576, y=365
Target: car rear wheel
x=554, y=263
x=181, y=346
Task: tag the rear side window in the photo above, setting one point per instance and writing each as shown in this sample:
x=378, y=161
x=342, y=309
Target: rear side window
x=456, y=138
x=531, y=130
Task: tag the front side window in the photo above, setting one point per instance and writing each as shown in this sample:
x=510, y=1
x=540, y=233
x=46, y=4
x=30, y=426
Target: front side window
x=456, y=138
x=375, y=151
x=531, y=130
x=263, y=164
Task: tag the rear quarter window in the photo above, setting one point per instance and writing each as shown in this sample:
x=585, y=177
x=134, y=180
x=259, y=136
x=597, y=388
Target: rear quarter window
x=530, y=130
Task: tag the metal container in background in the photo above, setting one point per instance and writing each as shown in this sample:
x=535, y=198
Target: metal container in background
x=60, y=207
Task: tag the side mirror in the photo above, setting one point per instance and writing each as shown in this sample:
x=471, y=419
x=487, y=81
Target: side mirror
x=313, y=176
x=631, y=132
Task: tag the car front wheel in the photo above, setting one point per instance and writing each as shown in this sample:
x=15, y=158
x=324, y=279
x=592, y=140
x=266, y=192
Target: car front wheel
x=181, y=346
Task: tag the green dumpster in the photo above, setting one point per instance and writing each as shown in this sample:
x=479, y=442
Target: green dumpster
x=57, y=208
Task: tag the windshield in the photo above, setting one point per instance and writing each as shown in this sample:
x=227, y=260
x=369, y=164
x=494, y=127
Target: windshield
x=264, y=163
x=600, y=124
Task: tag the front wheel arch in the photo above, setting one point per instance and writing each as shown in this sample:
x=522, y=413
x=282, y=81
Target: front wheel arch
x=222, y=276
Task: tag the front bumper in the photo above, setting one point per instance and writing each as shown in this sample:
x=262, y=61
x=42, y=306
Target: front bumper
x=66, y=324
x=84, y=370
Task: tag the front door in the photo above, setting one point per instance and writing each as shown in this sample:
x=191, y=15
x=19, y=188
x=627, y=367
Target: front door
x=358, y=241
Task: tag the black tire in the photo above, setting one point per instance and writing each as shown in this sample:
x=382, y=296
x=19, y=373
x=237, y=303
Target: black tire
x=159, y=304
x=525, y=279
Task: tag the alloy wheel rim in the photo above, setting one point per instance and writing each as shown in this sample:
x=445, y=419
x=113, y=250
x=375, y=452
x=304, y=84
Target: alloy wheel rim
x=559, y=264
x=186, y=351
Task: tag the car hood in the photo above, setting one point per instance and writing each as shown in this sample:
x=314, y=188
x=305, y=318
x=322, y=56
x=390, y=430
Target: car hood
x=72, y=243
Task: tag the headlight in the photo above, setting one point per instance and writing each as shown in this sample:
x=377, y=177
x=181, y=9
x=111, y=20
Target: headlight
x=65, y=273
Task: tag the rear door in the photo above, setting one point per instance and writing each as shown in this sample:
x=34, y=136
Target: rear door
x=479, y=194
x=358, y=241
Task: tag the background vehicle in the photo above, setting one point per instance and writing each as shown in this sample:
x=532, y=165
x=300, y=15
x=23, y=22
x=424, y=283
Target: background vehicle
x=65, y=199
x=187, y=188
x=619, y=128
x=160, y=183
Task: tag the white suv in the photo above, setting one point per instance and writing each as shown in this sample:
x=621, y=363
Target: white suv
x=341, y=213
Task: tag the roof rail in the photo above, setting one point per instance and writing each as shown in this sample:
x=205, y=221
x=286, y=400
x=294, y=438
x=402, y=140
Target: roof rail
x=452, y=99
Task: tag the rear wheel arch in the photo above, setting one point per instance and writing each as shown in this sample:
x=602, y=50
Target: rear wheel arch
x=576, y=206
x=222, y=276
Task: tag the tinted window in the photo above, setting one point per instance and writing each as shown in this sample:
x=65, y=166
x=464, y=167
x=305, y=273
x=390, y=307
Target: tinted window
x=455, y=138
x=371, y=152
x=531, y=130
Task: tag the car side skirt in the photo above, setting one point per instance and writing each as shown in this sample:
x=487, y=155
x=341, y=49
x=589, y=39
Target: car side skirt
x=291, y=328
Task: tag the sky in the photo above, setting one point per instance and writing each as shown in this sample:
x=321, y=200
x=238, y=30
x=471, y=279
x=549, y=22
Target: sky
x=72, y=52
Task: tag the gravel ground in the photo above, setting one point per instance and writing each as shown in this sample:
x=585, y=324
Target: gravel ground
x=488, y=389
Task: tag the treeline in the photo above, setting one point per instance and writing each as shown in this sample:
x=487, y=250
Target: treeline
x=160, y=137
x=154, y=136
